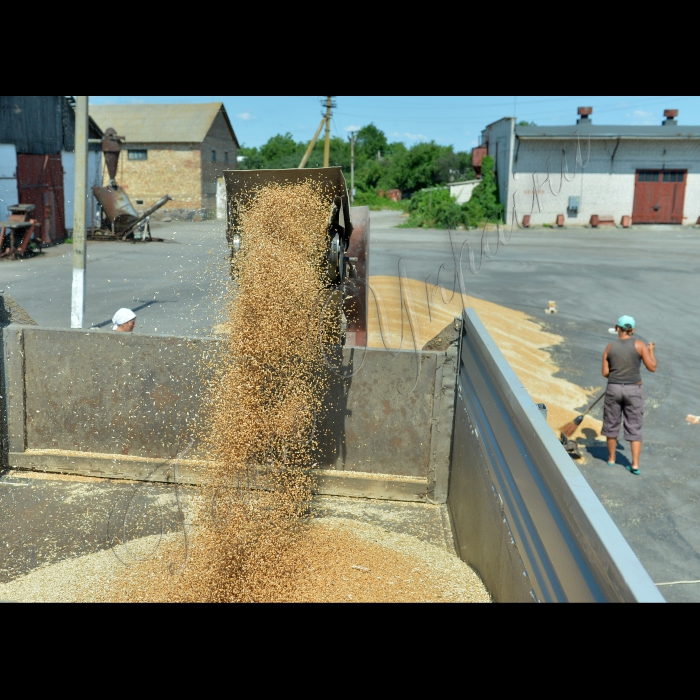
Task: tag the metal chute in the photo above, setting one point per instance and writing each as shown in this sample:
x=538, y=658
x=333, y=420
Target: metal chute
x=242, y=185
x=120, y=219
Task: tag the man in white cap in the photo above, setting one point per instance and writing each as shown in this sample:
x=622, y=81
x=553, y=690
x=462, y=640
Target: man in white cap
x=623, y=397
x=124, y=320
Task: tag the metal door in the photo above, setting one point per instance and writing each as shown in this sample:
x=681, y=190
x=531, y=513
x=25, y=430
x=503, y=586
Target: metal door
x=40, y=182
x=659, y=196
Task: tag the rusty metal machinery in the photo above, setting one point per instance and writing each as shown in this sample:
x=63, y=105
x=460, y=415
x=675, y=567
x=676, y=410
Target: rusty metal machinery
x=347, y=246
x=119, y=218
x=17, y=233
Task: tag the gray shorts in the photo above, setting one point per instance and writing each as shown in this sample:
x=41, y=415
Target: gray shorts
x=627, y=400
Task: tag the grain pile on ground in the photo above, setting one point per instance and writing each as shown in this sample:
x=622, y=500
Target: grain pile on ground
x=519, y=337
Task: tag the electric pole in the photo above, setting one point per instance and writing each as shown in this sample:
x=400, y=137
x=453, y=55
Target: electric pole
x=312, y=143
x=352, y=166
x=327, y=147
x=77, y=307
x=326, y=119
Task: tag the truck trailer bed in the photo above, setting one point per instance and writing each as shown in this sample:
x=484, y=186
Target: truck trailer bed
x=60, y=545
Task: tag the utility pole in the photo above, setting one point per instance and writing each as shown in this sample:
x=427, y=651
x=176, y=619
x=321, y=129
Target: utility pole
x=312, y=143
x=352, y=166
x=77, y=307
x=327, y=146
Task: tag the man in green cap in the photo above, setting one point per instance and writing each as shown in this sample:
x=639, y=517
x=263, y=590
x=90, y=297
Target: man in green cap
x=623, y=397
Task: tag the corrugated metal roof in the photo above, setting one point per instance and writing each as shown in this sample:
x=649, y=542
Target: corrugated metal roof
x=177, y=123
x=600, y=131
x=39, y=124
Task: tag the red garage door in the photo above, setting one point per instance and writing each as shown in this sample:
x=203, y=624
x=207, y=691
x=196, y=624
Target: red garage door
x=659, y=196
x=40, y=182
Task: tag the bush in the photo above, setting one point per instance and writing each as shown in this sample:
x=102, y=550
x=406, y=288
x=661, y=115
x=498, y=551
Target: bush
x=376, y=203
x=433, y=208
x=483, y=205
x=436, y=208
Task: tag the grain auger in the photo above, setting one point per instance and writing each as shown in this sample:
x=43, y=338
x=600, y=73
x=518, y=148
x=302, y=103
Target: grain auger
x=241, y=185
x=119, y=218
x=347, y=251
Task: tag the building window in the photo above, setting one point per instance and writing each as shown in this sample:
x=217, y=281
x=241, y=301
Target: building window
x=673, y=177
x=213, y=156
x=138, y=154
x=225, y=156
x=648, y=176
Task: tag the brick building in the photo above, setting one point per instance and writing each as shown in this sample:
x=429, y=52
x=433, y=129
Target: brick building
x=648, y=173
x=178, y=149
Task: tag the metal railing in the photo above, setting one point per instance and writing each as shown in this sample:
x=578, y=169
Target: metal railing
x=522, y=513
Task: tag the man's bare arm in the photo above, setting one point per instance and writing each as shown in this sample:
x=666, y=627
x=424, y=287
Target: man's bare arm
x=606, y=366
x=647, y=353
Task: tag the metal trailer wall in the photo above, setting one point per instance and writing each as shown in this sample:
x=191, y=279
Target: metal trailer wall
x=522, y=514
x=124, y=405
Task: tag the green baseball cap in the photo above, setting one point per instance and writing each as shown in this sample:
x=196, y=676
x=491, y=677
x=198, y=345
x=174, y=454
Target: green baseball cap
x=626, y=322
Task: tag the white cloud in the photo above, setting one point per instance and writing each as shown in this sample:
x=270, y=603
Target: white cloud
x=246, y=116
x=352, y=128
x=642, y=118
x=408, y=136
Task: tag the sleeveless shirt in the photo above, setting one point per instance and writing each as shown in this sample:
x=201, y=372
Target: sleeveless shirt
x=624, y=362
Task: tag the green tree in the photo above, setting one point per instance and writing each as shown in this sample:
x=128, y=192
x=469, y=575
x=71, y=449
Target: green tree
x=484, y=204
x=282, y=151
x=339, y=154
x=417, y=167
x=408, y=169
x=454, y=167
x=369, y=141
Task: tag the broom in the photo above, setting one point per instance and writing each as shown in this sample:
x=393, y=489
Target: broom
x=569, y=428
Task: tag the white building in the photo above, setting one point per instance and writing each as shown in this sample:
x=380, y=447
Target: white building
x=648, y=173
x=462, y=191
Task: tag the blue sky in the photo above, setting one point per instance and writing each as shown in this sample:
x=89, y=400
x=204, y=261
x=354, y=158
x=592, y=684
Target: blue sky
x=455, y=120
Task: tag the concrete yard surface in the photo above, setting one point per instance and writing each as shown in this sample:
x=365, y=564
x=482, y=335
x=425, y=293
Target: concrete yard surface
x=174, y=287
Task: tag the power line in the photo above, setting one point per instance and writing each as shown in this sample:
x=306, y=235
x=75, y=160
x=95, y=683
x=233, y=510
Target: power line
x=378, y=102
x=484, y=119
